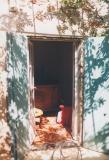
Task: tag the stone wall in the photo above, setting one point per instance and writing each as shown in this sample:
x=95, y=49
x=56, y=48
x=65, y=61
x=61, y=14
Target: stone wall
x=4, y=128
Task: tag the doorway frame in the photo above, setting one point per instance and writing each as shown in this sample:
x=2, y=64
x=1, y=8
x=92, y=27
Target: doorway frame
x=77, y=112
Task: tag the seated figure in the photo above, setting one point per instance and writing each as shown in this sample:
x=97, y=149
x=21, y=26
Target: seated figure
x=64, y=116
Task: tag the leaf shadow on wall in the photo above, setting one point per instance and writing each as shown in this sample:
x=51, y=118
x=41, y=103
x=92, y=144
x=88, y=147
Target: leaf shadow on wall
x=18, y=92
x=96, y=79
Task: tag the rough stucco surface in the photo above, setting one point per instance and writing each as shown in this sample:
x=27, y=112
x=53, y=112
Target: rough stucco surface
x=4, y=129
x=26, y=17
x=96, y=101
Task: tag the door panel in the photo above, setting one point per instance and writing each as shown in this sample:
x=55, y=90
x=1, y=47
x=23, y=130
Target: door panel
x=78, y=77
x=18, y=92
x=96, y=93
x=32, y=129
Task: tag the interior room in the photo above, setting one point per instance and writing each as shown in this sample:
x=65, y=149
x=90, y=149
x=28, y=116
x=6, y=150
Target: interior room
x=53, y=80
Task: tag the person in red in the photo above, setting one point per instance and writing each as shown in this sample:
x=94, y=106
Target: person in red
x=64, y=116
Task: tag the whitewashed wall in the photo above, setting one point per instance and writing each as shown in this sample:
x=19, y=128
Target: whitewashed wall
x=25, y=20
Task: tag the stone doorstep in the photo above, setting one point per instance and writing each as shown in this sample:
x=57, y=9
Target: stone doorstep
x=66, y=154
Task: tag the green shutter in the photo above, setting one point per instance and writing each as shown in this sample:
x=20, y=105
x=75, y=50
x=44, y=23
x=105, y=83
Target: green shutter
x=18, y=92
x=96, y=94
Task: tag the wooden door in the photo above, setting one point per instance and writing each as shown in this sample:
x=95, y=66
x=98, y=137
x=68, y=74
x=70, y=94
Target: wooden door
x=32, y=129
x=78, y=91
x=31, y=75
x=96, y=94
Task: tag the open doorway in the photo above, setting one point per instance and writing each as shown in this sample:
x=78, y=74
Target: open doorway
x=53, y=64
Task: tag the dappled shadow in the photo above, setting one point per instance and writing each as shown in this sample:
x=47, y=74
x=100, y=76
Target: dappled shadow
x=103, y=137
x=5, y=139
x=96, y=90
x=18, y=92
x=15, y=21
x=49, y=133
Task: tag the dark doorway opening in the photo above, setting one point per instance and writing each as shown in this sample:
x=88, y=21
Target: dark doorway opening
x=54, y=94
x=53, y=69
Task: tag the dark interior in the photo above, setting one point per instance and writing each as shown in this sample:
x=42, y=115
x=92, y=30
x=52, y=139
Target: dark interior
x=53, y=72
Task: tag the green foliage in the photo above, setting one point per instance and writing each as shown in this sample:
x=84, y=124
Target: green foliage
x=80, y=13
x=107, y=1
x=73, y=3
x=74, y=11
